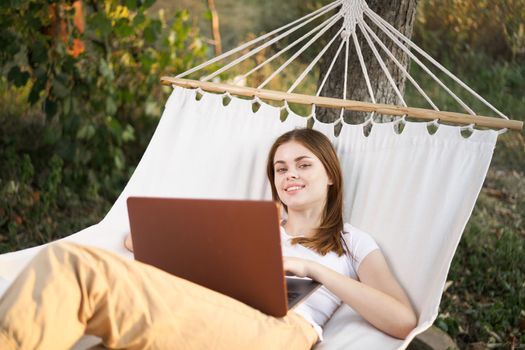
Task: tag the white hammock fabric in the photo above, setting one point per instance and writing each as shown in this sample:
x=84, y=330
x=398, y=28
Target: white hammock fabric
x=413, y=192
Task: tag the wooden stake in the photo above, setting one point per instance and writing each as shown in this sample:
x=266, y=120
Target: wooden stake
x=215, y=27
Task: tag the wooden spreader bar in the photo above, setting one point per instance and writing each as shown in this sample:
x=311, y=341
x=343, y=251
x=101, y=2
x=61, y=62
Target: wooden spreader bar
x=422, y=113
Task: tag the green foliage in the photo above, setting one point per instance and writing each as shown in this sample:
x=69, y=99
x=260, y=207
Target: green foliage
x=451, y=28
x=75, y=124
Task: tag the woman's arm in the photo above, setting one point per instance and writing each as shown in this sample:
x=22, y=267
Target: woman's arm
x=377, y=297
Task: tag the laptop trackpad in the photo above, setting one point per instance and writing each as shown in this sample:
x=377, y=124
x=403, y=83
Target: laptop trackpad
x=299, y=289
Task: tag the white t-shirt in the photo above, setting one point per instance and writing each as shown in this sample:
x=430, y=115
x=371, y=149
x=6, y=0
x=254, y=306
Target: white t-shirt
x=320, y=306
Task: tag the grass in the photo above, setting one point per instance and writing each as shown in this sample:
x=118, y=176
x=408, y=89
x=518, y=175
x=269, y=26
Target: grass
x=485, y=302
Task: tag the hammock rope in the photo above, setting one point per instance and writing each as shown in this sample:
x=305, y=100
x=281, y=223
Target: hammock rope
x=330, y=69
x=355, y=16
x=262, y=64
x=300, y=51
x=426, y=69
x=314, y=14
x=314, y=62
x=393, y=30
x=398, y=64
x=262, y=47
x=363, y=69
x=384, y=68
x=347, y=41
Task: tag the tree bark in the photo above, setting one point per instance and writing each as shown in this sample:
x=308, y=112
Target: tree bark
x=399, y=13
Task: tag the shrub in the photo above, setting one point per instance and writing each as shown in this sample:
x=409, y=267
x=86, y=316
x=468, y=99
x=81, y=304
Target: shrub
x=82, y=103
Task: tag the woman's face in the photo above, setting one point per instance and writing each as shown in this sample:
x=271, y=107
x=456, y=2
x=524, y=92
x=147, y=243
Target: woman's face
x=300, y=177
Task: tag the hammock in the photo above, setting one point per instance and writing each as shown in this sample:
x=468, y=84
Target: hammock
x=411, y=190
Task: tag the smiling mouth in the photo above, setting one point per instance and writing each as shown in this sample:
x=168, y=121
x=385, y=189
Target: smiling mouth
x=294, y=188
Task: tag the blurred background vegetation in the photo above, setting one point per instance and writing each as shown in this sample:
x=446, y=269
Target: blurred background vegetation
x=80, y=101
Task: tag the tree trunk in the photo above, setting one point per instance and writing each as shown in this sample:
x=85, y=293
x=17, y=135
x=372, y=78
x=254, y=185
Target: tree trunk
x=399, y=13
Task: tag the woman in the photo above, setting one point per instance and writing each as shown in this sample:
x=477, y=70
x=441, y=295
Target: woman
x=68, y=290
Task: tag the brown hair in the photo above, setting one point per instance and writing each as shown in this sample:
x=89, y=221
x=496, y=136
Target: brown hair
x=327, y=237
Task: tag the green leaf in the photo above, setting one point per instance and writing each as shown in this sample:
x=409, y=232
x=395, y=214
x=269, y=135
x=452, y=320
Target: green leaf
x=147, y=3
x=68, y=66
x=9, y=43
x=115, y=128
x=50, y=107
x=123, y=29
x=126, y=96
x=146, y=61
x=86, y=132
x=16, y=3
x=35, y=23
x=106, y=70
x=119, y=160
x=100, y=23
x=111, y=105
x=139, y=19
x=128, y=134
x=149, y=35
x=66, y=106
x=164, y=59
x=151, y=31
x=39, y=53
x=52, y=135
x=17, y=77
x=440, y=323
x=152, y=108
x=131, y=4
x=59, y=88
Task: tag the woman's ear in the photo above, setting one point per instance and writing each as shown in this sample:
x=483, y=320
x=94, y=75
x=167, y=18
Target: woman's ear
x=330, y=178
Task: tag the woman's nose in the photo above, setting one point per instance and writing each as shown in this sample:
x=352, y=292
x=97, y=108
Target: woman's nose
x=291, y=175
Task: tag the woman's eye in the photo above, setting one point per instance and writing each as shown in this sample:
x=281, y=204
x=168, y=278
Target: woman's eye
x=304, y=166
x=280, y=170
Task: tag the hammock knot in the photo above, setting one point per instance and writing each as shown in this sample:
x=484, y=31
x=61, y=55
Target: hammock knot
x=352, y=13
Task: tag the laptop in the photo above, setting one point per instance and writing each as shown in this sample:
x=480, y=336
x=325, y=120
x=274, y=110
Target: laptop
x=230, y=246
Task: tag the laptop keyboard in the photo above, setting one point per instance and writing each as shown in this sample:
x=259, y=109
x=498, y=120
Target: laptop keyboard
x=293, y=295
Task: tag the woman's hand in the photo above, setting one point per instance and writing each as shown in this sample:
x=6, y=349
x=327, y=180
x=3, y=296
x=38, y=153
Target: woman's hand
x=128, y=243
x=297, y=266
